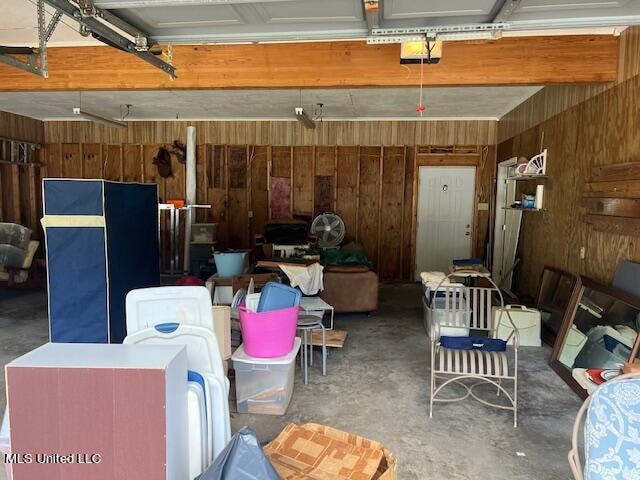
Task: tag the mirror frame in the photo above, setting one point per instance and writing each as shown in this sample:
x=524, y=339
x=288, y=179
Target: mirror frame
x=563, y=273
x=581, y=285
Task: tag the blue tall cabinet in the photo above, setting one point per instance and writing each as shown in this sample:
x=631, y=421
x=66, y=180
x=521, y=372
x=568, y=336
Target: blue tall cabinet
x=101, y=242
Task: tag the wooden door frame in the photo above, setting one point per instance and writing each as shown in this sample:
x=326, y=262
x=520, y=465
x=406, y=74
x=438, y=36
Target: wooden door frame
x=444, y=160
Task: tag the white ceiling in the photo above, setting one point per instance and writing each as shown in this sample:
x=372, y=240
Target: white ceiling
x=201, y=21
x=339, y=104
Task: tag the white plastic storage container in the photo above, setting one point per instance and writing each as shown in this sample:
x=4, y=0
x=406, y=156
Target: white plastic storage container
x=264, y=385
x=449, y=320
x=574, y=343
x=526, y=320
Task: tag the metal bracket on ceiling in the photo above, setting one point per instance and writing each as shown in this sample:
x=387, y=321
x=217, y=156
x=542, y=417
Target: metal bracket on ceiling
x=34, y=60
x=98, y=23
x=437, y=32
x=371, y=13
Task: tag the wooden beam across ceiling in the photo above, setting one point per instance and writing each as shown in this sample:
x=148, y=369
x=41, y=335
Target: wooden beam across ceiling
x=508, y=61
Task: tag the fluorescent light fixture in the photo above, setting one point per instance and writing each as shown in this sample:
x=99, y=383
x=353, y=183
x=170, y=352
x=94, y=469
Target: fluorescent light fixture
x=304, y=119
x=423, y=51
x=110, y=122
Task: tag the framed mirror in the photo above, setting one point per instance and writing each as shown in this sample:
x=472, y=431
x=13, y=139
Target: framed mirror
x=600, y=326
x=554, y=293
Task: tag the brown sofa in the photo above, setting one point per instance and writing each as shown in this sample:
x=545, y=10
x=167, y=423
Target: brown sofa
x=350, y=288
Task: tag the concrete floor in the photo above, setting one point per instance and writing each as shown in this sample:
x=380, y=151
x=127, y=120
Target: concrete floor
x=377, y=386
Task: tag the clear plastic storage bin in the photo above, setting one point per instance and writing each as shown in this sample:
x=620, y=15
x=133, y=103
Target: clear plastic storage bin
x=264, y=385
x=449, y=321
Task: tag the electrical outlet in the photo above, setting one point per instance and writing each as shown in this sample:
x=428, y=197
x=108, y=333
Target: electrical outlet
x=250, y=213
x=583, y=253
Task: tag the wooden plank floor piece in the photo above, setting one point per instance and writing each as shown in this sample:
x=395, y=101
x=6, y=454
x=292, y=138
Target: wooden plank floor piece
x=335, y=338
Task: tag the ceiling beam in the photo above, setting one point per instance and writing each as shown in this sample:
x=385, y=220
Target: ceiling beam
x=508, y=61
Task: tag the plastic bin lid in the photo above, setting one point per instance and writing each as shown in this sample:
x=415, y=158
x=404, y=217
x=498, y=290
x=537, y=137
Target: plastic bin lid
x=4, y=429
x=203, y=354
x=240, y=356
x=276, y=296
x=147, y=307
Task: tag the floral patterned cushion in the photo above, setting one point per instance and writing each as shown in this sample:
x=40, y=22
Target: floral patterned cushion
x=612, y=432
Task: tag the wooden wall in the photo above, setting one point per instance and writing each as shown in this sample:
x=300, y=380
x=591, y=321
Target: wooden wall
x=458, y=132
x=546, y=103
x=373, y=188
x=602, y=130
x=20, y=184
x=554, y=99
x=629, y=54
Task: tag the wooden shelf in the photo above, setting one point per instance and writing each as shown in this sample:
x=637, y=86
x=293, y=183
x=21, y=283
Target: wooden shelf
x=528, y=177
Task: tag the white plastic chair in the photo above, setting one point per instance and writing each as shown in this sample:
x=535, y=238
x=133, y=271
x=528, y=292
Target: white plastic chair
x=611, y=431
x=203, y=358
x=463, y=308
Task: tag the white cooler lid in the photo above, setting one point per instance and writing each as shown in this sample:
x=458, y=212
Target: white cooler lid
x=240, y=356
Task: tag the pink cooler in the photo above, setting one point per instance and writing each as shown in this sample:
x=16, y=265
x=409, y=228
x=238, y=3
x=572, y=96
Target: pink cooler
x=268, y=334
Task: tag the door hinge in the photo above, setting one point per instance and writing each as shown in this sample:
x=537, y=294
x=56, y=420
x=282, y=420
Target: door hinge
x=504, y=227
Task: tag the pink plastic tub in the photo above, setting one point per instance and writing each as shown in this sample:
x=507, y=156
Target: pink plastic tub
x=268, y=334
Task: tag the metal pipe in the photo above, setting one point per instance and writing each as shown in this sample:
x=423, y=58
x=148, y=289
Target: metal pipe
x=190, y=194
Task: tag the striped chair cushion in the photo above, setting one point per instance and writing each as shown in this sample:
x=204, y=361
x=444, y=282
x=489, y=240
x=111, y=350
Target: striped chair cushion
x=472, y=362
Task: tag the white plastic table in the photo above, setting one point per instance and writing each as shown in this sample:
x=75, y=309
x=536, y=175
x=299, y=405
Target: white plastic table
x=311, y=305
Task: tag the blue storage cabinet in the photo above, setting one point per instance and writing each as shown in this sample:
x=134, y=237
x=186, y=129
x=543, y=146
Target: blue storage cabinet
x=101, y=242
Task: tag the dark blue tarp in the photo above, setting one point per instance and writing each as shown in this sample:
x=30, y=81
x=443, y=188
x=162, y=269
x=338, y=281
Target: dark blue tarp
x=77, y=285
x=132, y=246
x=88, y=280
x=72, y=197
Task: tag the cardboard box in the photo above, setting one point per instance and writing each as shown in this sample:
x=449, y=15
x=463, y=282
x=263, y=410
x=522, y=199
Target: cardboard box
x=313, y=451
x=222, y=329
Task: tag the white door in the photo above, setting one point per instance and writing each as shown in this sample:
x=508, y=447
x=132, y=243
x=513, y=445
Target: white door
x=445, y=217
x=507, y=226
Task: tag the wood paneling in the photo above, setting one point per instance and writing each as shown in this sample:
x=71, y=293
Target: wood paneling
x=347, y=189
x=112, y=162
x=132, y=166
x=392, y=212
x=369, y=201
x=331, y=133
x=546, y=103
x=629, y=54
x=566, y=59
x=238, y=219
x=593, y=136
x=302, y=181
x=92, y=160
x=370, y=187
x=72, y=160
x=21, y=128
x=259, y=165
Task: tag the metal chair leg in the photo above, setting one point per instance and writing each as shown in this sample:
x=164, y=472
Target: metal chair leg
x=324, y=352
x=304, y=349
